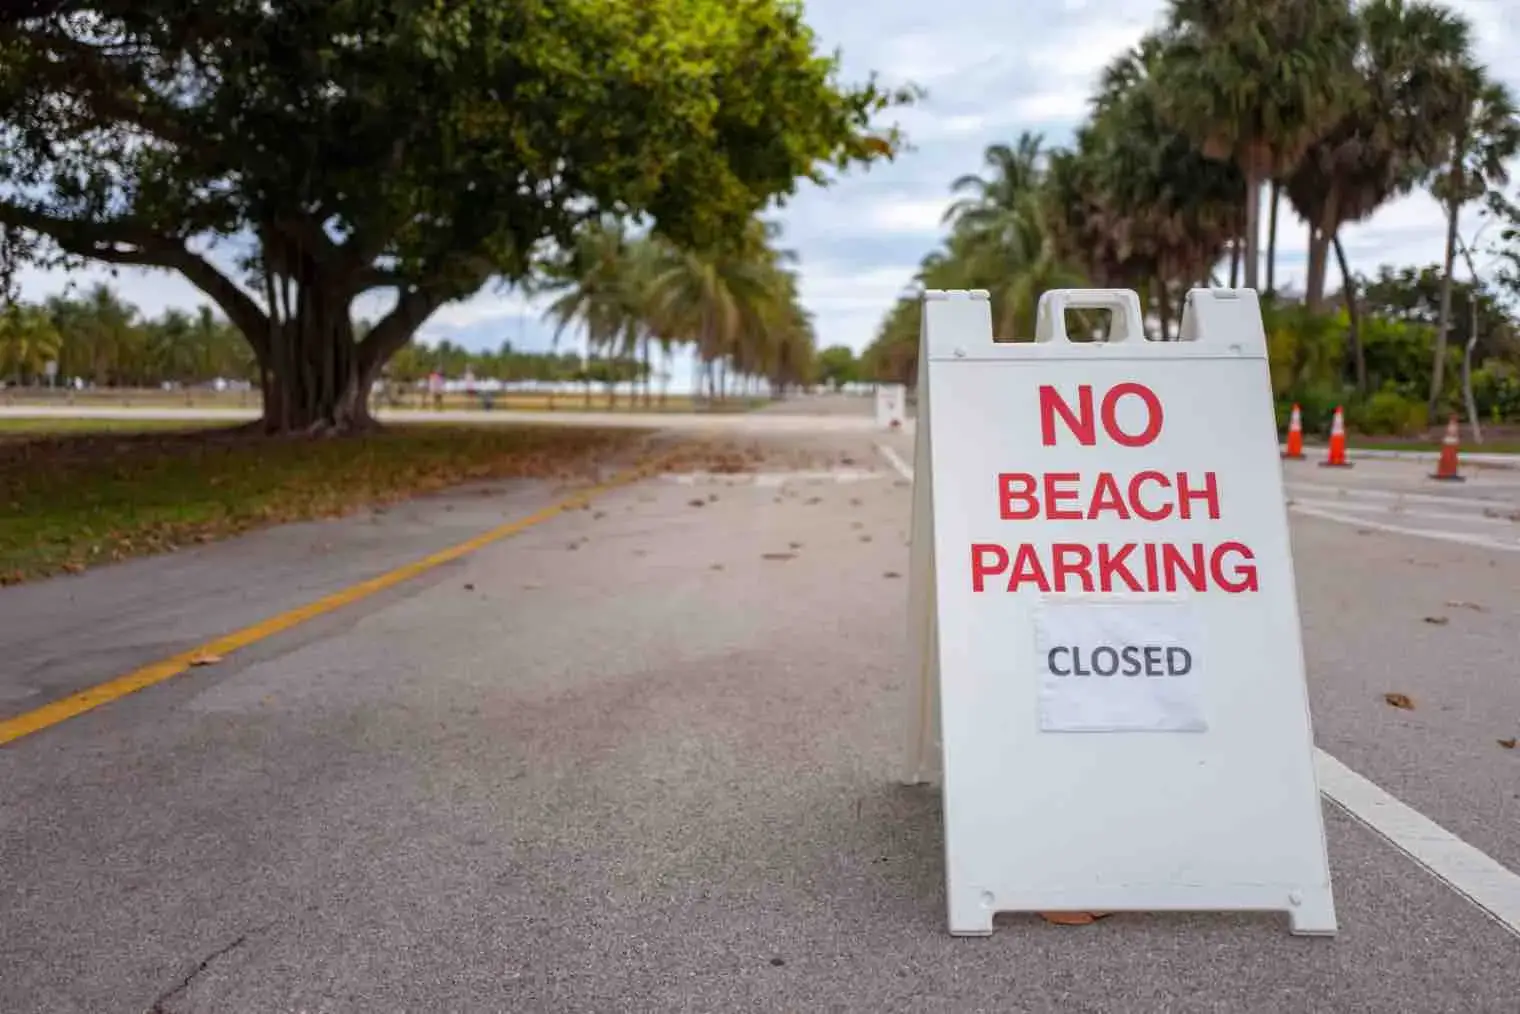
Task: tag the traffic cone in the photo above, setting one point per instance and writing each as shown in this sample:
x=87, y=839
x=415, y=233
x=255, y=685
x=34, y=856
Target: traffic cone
x=1337, y=456
x=1295, y=436
x=1446, y=468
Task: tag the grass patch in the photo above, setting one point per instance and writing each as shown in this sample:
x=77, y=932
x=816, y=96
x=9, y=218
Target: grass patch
x=516, y=401
x=71, y=501
x=1355, y=443
x=23, y=427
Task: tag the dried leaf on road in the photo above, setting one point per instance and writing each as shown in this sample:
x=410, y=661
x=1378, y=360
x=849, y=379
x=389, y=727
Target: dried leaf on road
x=794, y=545
x=1074, y=918
x=1467, y=605
x=891, y=573
x=865, y=538
x=696, y=503
x=205, y=658
x=1399, y=701
x=469, y=587
x=813, y=499
x=779, y=556
x=1439, y=621
x=1508, y=744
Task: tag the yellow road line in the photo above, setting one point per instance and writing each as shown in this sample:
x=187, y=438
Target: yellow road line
x=12, y=729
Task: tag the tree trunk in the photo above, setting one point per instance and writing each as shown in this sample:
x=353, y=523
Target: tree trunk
x=1253, y=227
x=313, y=380
x=1353, y=315
x=1319, y=259
x=1163, y=309
x=1438, y=368
x=1272, y=238
x=1235, y=263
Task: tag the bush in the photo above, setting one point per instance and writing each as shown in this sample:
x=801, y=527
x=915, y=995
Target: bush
x=1387, y=413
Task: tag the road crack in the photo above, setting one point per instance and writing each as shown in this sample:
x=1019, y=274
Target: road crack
x=160, y=1005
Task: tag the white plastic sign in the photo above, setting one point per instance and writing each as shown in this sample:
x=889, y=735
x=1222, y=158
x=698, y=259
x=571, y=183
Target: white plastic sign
x=891, y=405
x=1104, y=618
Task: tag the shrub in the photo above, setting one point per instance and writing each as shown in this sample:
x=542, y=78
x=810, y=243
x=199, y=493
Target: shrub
x=1388, y=413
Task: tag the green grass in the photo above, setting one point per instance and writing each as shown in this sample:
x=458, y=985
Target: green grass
x=516, y=401
x=69, y=501
x=1359, y=443
x=31, y=426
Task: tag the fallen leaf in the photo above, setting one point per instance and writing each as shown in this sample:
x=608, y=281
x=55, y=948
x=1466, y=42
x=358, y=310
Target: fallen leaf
x=205, y=658
x=891, y=573
x=813, y=499
x=469, y=587
x=712, y=498
x=794, y=545
x=1439, y=621
x=1508, y=744
x=1074, y=918
x=1364, y=531
x=696, y=503
x=865, y=538
x=1467, y=605
x=717, y=566
x=598, y=515
x=854, y=501
x=1399, y=701
x=778, y=556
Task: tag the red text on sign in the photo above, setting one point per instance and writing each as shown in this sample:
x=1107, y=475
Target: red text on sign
x=1131, y=566
x=1082, y=423
x=1149, y=496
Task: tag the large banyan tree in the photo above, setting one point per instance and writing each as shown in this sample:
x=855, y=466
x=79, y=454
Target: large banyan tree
x=336, y=147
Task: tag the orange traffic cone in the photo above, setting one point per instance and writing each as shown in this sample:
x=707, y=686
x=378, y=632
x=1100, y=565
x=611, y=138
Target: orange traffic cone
x=1295, y=436
x=1446, y=468
x=1337, y=456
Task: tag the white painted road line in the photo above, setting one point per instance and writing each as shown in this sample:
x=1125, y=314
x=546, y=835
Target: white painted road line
x=1350, y=493
x=1474, y=875
x=1425, y=533
x=1480, y=879
x=1399, y=511
x=895, y=460
x=767, y=479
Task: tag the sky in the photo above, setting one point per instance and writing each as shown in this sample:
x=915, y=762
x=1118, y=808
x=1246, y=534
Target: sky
x=991, y=68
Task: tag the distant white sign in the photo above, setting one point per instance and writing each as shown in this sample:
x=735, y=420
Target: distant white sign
x=891, y=405
x=1119, y=666
x=50, y=368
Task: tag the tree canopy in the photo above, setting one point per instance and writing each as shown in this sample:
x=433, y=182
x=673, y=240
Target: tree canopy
x=424, y=149
x=1341, y=107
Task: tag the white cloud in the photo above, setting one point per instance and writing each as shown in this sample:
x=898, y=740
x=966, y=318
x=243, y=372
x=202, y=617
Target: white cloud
x=992, y=68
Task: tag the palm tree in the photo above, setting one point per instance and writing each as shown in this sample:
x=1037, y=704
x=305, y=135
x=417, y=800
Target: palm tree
x=1410, y=61
x=713, y=299
x=1255, y=82
x=28, y=342
x=1487, y=135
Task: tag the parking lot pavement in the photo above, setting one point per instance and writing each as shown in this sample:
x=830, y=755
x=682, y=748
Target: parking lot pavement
x=1400, y=498
x=639, y=758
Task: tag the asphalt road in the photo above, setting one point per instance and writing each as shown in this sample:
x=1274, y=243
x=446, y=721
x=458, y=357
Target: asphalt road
x=641, y=758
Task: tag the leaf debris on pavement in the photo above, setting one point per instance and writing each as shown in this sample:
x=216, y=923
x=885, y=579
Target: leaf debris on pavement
x=1508, y=744
x=778, y=556
x=1439, y=621
x=205, y=658
x=1399, y=701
